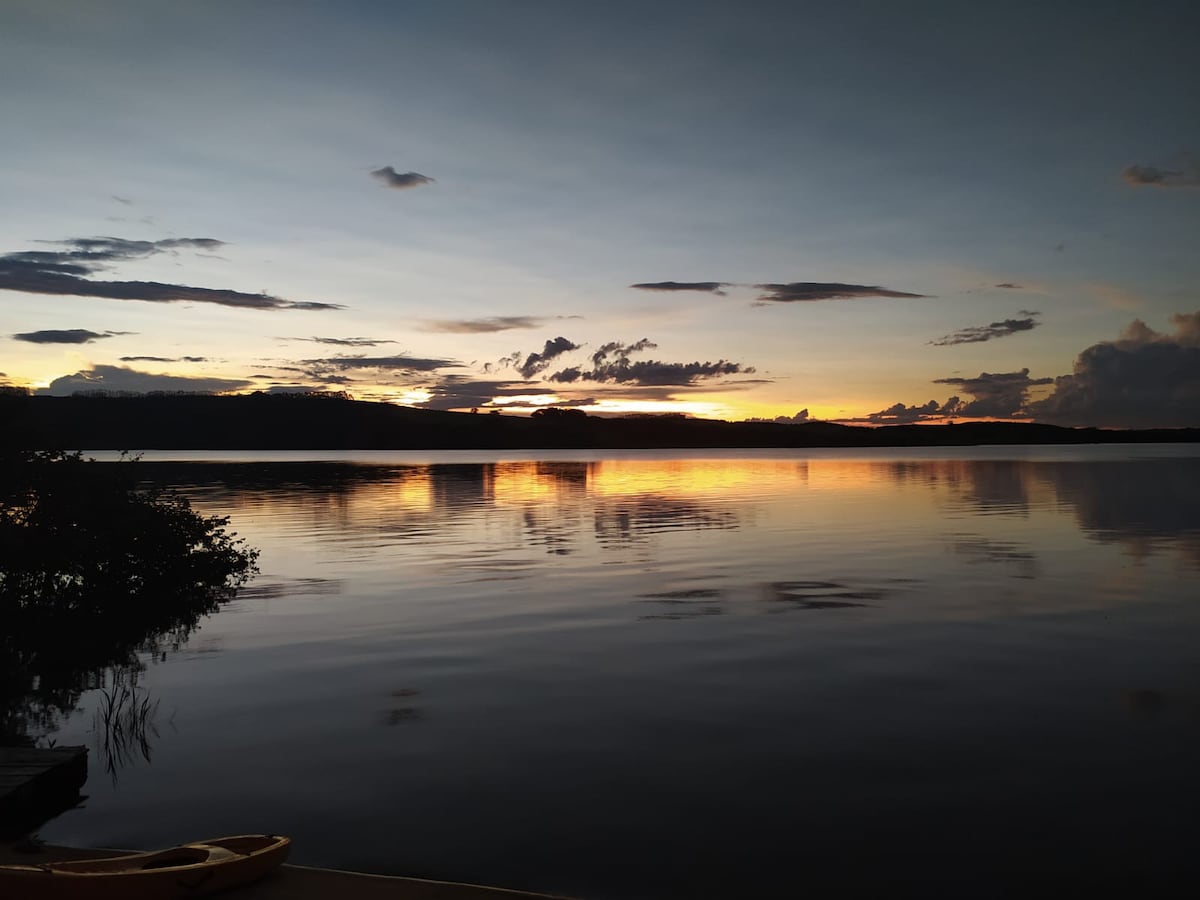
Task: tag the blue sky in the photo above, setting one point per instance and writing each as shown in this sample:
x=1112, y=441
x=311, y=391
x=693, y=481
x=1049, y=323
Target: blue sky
x=932, y=149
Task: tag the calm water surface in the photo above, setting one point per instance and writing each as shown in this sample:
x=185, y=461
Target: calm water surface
x=685, y=675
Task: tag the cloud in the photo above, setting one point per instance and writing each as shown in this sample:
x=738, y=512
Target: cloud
x=396, y=363
x=165, y=359
x=798, y=419
x=463, y=392
x=1188, y=175
x=1010, y=285
x=121, y=379
x=977, y=334
x=1002, y=395
x=711, y=287
x=1144, y=379
x=482, y=326
x=65, y=336
x=66, y=273
x=899, y=414
x=619, y=351
x=809, y=291
x=344, y=342
x=611, y=363
x=650, y=372
x=539, y=362
x=772, y=292
x=400, y=180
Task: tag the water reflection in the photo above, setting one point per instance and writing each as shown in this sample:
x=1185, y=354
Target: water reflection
x=124, y=723
x=1020, y=560
x=556, y=506
x=775, y=664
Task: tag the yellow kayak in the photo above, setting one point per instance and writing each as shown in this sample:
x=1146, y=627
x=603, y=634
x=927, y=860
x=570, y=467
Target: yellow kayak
x=190, y=870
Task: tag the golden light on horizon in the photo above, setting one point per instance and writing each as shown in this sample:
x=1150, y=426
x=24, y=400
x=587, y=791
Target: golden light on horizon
x=699, y=408
x=538, y=400
x=413, y=397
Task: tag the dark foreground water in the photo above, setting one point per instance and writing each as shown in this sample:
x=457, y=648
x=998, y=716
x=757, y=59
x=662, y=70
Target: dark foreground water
x=966, y=673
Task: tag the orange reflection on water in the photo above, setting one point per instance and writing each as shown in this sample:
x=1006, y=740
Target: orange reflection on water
x=412, y=493
x=729, y=478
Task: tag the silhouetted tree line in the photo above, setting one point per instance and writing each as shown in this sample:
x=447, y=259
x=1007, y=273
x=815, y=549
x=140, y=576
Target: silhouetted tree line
x=326, y=422
x=94, y=569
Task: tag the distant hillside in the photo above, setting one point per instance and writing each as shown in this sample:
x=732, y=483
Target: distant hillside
x=290, y=422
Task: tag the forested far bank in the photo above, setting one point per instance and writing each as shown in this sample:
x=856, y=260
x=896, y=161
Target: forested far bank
x=291, y=422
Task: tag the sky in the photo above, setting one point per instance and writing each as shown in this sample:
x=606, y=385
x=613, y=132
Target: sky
x=869, y=212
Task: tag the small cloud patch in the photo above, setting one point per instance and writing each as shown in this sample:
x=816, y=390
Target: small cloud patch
x=65, y=336
x=977, y=334
x=400, y=180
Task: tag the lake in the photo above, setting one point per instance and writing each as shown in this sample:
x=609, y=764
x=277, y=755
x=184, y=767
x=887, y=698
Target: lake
x=688, y=674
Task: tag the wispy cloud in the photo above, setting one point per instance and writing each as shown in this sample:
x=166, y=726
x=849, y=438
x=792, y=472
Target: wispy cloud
x=400, y=180
x=711, y=287
x=66, y=336
x=394, y=363
x=66, y=273
x=165, y=359
x=809, y=291
x=1186, y=175
x=344, y=342
x=977, y=334
x=778, y=292
x=482, y=326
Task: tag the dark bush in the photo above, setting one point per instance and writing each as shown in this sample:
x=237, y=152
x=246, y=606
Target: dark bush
x=94, y=569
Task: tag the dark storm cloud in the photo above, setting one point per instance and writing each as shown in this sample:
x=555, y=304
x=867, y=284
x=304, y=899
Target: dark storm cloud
x=539, y=362
x=1001, y=395
x=344, y=342
x=400, y=180
x=119, y=378
x=809, y=291
x=482, y=326
x=65, y=336
x=1187, y=175
x=650, y=372
x=65, y=273
x=165, y=359
x=711, y=287
x=977, y=334
x=1144, y=379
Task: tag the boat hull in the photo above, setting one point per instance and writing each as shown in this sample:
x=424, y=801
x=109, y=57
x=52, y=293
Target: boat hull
x=190, y=870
